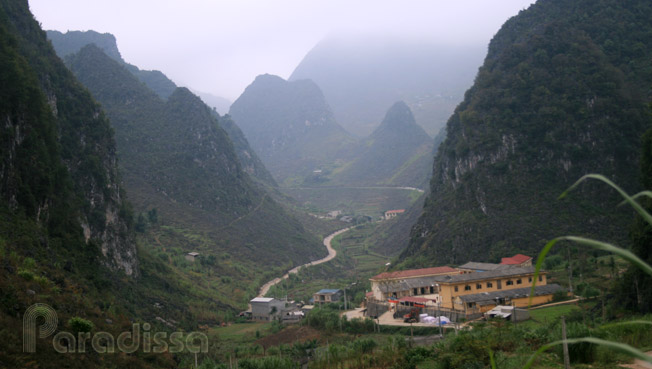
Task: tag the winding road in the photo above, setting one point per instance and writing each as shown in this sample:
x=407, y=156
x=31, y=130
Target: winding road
x=331, y=254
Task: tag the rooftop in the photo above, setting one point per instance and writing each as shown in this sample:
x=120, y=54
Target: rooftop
x=480, y=276
x=412, y=273
x=395, y=211
x=262, y=299
x=417, y=300
x=512, y=294
x=193, y=253
x=327, y=291
x=516, y=259
x=482, y=266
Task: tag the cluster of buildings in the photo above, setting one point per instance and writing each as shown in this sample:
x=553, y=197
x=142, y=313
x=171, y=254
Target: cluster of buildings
x=471, y=289
x=467, y=291
x=269, y=308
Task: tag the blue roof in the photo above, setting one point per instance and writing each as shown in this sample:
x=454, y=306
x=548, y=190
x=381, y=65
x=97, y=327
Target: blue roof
x=326, y=290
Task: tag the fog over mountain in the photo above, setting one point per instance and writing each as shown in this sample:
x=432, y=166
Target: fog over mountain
x=362, y=76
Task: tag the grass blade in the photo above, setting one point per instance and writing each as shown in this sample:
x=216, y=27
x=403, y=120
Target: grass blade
x=639, y=209
x=621, y=347
x=625, y=254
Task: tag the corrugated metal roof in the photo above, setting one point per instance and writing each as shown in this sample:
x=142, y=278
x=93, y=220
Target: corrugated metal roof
x=262, y=299
x=479, y=276
x=516, y=259
x=548, y=289
x=406, y=284
x=415, y=273
x=482, y=266
x=418, y=300
x=327, y=291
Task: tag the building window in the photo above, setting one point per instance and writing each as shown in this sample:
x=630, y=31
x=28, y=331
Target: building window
x=529, y=279
x=423, y=290
x=416, y=291
x=432, y=289
x=540, y=278
x=490, y=285
x=478, y=286
x=467, y=288
x=509, y=282
x=470, y=304
x=518, y=281
x=455, y=288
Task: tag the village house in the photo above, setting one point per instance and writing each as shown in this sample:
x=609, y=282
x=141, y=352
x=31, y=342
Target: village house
x=404, y=283
x=266, y=308
x=389, y=214
x=327, y=296
x=192, y=256
x=492, y=288
x=518, y=260
x=473, y=267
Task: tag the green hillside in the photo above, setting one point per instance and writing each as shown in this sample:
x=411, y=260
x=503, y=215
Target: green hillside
x=291, y=127
x=398, y=153
x=178, y=160
x=562, y=92
x=72, y=42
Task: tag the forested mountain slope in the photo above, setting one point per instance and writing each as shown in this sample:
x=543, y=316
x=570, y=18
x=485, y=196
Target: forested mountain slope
x=398, y=153
x=72, y=42
x=562, y=92
x=59, y=186
x=290, y=126
x=177, y=159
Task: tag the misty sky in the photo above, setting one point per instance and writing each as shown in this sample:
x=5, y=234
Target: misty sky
x=220, y=46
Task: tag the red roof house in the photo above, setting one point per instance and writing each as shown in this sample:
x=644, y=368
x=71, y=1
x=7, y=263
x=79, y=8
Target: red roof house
x=517, y=260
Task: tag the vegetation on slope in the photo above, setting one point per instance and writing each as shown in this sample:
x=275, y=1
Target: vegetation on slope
x=562, y=93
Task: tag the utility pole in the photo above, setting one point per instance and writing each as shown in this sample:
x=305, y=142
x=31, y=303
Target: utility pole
x=439, y=318
x=570, y=273
x=563, y=337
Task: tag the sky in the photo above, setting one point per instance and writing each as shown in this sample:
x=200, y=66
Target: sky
x=220, y=46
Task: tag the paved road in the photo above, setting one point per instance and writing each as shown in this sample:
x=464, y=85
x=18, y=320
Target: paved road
x=331, y=254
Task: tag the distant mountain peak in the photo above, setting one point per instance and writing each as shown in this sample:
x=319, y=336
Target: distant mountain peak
x=72, y=41
x=399, y=121
x=398, y=115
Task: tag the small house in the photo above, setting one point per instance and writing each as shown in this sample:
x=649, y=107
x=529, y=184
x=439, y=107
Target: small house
x=266, y=308
x=192, y=256
x=518, y=260
x=326, y=296
x=389, y=214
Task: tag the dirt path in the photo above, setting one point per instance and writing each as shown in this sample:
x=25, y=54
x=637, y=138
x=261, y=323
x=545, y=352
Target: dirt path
x=639, y=364
x=331, y=254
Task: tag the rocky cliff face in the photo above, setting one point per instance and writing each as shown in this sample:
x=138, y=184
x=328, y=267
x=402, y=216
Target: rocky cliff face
x=556, y=98
x=59, y=168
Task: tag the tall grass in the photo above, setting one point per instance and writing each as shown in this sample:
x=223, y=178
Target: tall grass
x=625, y=254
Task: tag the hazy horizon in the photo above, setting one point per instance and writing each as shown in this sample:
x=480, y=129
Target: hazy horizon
x=220, y=47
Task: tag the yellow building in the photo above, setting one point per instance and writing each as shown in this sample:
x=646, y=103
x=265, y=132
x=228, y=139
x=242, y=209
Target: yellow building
x=414, y=282
x=452, y=288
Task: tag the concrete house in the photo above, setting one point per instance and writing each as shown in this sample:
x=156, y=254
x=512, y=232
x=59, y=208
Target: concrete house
x=192, y=256
x=482, y=291
x=266, y=308
x=326, y=296
x=389, y=214
x=414, y=282
x=518, y=260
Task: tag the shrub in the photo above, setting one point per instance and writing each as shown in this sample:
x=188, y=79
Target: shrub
x=26, y=274
x=78, y=324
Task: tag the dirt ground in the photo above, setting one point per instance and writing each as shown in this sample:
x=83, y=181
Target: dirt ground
x=639, y=364
x=289, y=335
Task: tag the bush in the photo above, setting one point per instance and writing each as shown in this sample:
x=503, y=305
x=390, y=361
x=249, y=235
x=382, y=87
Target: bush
x=26, y=274
x=78, y=324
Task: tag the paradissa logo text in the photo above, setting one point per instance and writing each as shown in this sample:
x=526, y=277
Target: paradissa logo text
x=104, y=342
